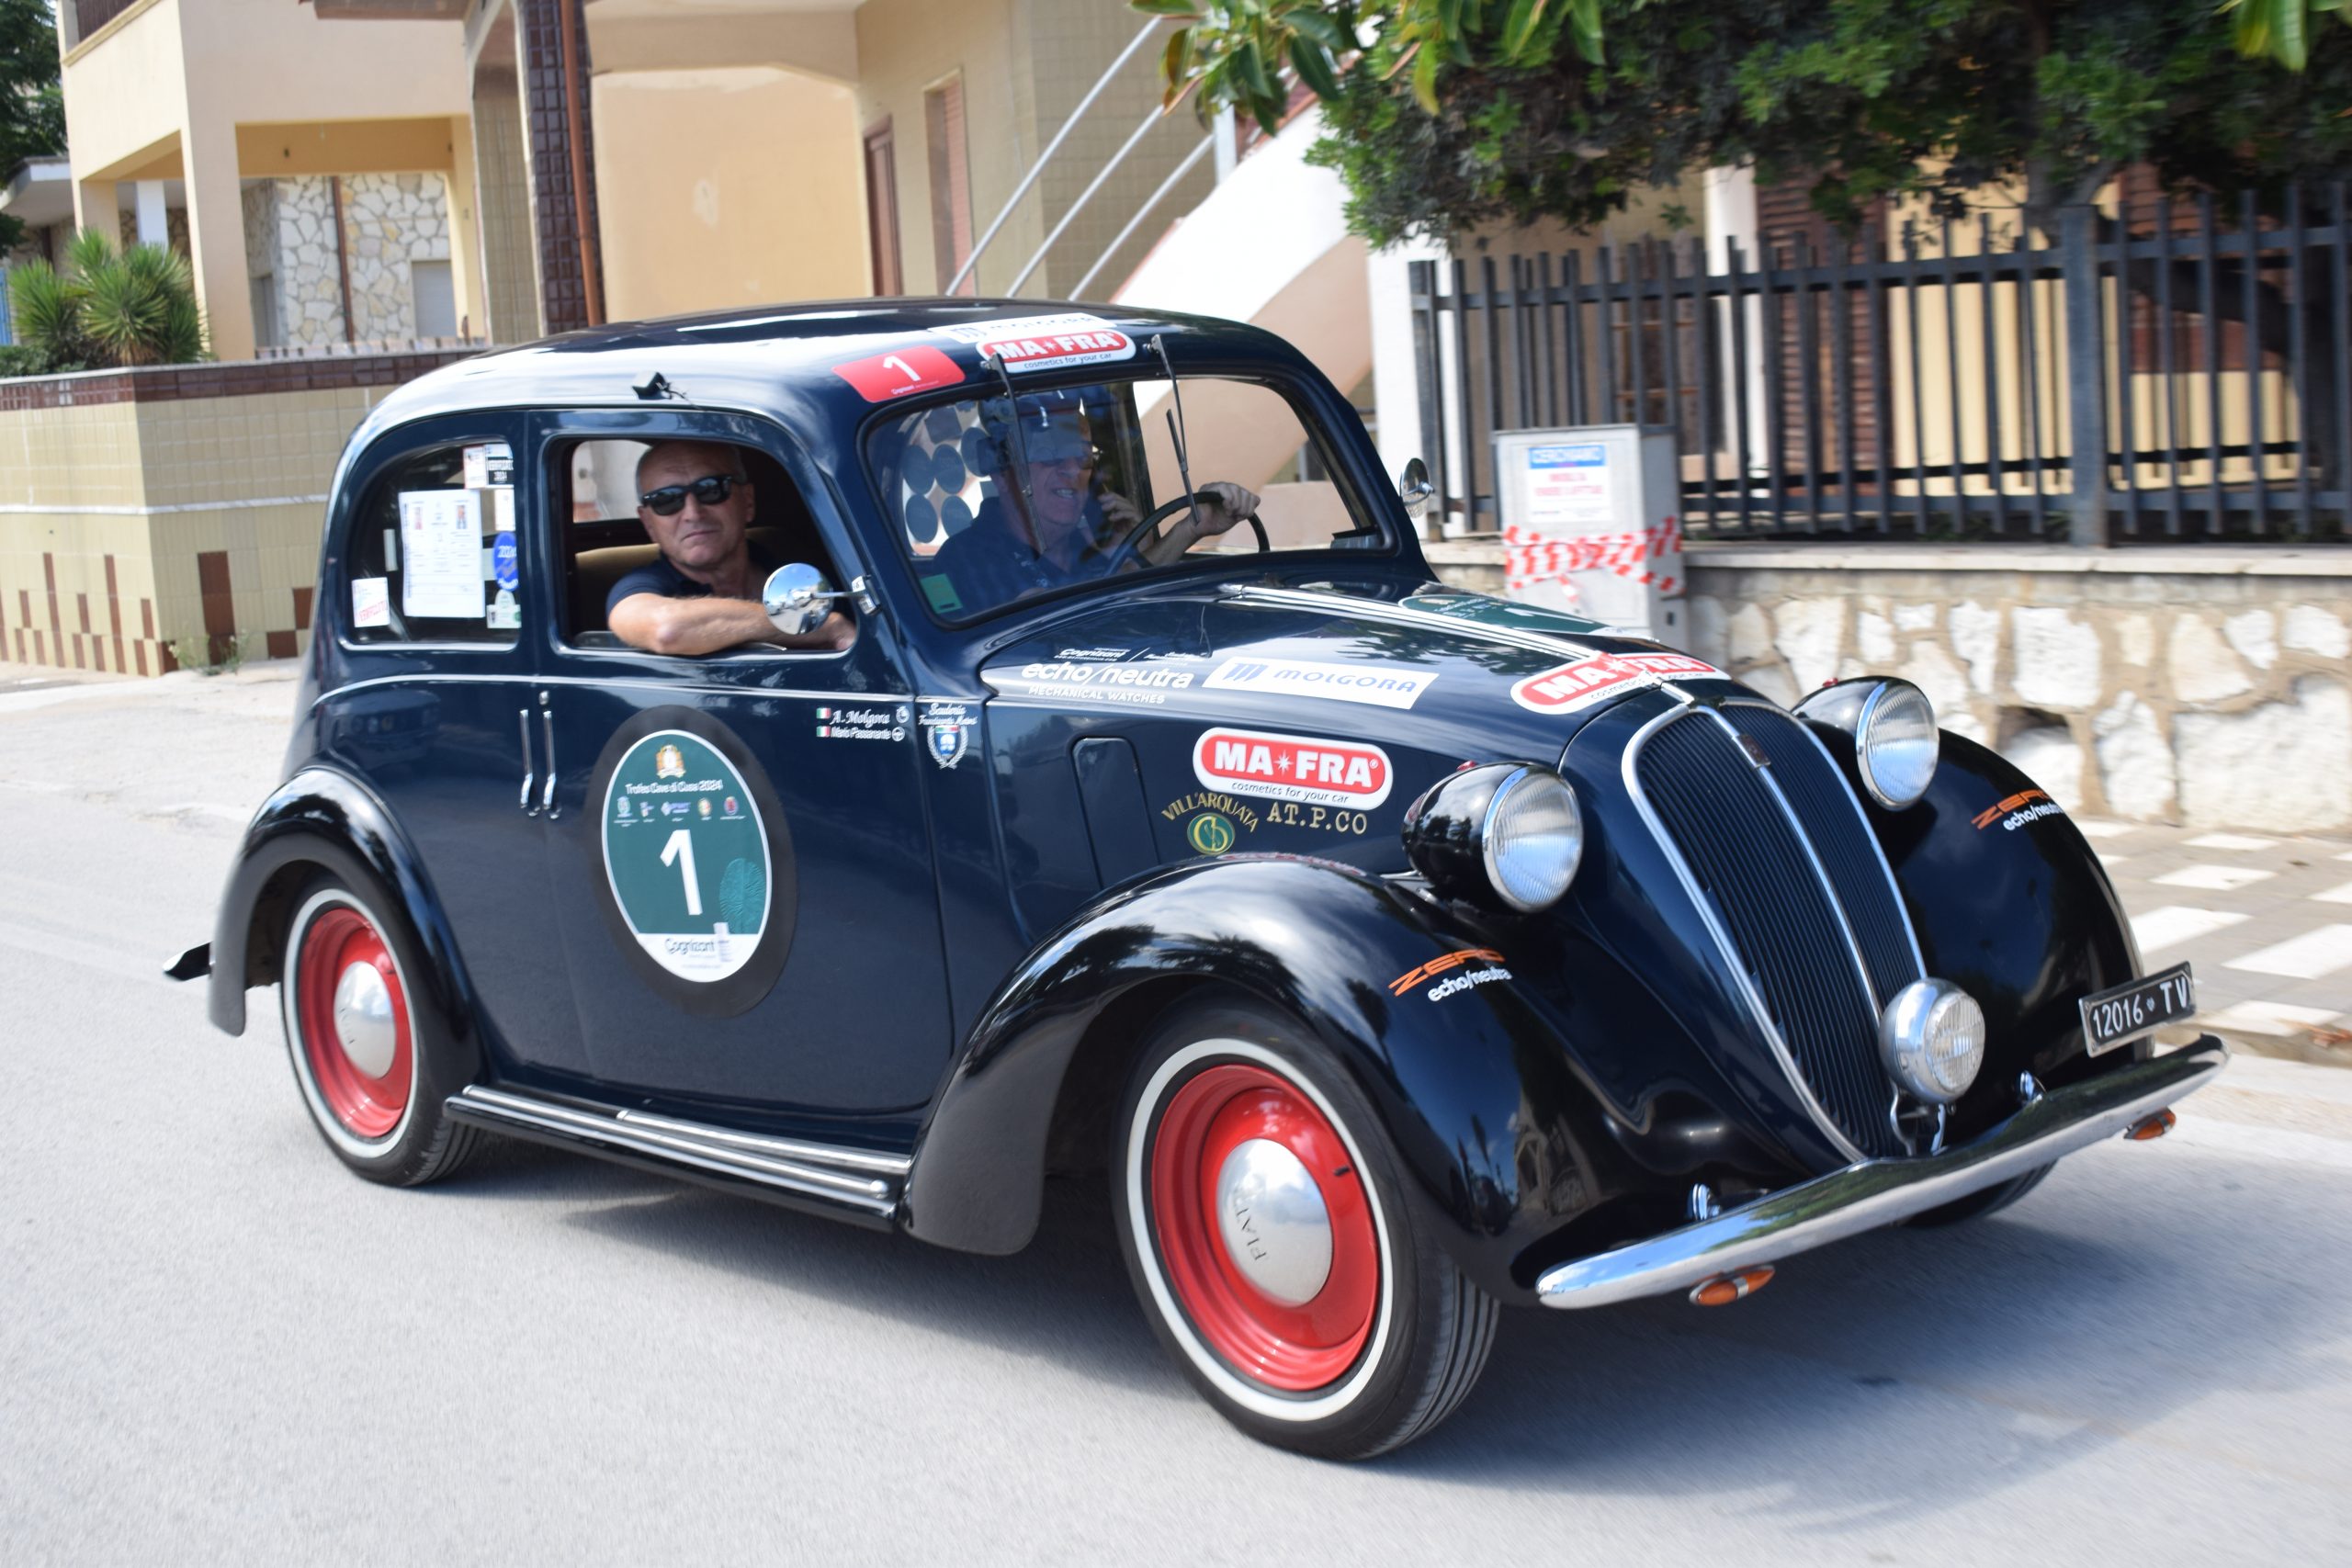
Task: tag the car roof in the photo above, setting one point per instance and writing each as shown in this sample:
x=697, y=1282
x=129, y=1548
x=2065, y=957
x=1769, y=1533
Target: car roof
x=778, y=359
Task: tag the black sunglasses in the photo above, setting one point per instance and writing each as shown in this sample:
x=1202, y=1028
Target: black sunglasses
x=711, y=489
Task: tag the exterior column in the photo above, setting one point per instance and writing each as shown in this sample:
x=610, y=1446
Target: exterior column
x=93, y=207
x=563, y=162
x=216, y=239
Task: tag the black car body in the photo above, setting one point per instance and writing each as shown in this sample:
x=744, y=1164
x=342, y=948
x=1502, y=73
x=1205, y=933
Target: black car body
x=1007, y=863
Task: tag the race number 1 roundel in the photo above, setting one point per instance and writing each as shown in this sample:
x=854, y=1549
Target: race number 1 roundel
x=687, y=856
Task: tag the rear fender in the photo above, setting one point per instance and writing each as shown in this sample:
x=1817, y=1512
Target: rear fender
x=1498, y=1132
x=326, y=820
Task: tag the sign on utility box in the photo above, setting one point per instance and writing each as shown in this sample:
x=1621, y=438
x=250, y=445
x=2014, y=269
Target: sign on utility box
x=1591, y=524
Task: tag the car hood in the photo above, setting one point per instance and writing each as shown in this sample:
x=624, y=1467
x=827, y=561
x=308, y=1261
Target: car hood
x=1453, y=675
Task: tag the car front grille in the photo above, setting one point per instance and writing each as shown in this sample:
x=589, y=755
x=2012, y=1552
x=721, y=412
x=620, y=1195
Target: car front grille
x=1778, y=908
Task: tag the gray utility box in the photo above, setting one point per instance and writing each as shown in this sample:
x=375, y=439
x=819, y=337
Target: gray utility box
x=1591, y=524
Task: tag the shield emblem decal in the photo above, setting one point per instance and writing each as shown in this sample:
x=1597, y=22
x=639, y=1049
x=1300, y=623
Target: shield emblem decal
x=947, y=731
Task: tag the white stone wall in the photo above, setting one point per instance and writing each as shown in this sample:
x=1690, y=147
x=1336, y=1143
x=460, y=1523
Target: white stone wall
x=310, y=284
x=2212, y=697
x=389, y=222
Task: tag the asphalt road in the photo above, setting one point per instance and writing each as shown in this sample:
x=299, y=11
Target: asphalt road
x=217, y=1345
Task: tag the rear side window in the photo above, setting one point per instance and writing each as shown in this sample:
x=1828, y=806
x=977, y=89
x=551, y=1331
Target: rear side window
x=433, y=554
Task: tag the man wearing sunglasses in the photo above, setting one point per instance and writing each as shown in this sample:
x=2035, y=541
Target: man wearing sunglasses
x=703, y=594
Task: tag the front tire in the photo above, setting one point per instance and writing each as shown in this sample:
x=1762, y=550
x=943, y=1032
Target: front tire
x=374, y=1070
x=1261, y=1218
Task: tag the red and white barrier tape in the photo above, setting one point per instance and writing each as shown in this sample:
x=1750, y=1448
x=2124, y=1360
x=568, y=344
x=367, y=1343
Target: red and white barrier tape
x=1530, y=556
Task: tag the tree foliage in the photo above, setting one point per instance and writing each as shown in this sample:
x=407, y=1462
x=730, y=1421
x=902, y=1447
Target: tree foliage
x=32, y=109
x=107, y=307
x=1444, y=115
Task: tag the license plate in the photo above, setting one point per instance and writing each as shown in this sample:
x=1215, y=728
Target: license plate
x=2117, y=1017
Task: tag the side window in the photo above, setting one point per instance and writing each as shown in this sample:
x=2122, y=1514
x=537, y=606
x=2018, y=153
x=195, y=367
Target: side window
x=433, y=552
x=593, y=485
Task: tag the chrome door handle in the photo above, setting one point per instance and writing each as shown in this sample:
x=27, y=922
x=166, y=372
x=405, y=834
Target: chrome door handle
x=523, y=719
x=546, y=796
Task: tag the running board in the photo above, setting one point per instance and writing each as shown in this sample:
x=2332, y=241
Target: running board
x=835, y=1178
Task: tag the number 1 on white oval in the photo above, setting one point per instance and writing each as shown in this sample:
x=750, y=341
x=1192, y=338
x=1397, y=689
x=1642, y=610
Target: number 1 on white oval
x=680, y=849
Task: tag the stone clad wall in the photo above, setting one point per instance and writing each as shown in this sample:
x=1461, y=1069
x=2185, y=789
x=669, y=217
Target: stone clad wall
x=389, y=222
x=2207, y=687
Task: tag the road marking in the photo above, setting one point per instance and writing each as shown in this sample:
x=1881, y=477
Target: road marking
x=2215, y=878
x=2176, y=923
x=2264, y=1143
x=2338, y=894
x=2231, y=842
x=2269, y=1018
x=2305, y=958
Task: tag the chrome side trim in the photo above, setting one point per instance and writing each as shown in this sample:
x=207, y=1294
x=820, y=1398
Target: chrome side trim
x=1723, y=945
x=1398, y=615
x=681, y=1143
x=439, y=677
x=779, y=1148
x=1879, y=1192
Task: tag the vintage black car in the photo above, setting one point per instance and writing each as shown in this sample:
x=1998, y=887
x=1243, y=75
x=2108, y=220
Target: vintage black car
x=1393, y=951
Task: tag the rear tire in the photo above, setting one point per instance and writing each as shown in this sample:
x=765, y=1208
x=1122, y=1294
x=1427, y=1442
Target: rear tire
x=1976, y=1205
x=1259, y=1209
x=375, y=1070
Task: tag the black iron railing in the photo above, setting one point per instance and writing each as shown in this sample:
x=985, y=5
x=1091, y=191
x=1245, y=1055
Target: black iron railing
x=2165, y=378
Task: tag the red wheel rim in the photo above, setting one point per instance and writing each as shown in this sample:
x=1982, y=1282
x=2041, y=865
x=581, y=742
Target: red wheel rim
x=368, y=1106
x=1298, y=1348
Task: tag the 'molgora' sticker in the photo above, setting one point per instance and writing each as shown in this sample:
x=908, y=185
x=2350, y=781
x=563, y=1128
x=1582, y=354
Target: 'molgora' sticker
x=686, y=856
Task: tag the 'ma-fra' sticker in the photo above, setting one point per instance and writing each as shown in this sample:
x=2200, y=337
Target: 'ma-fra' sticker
x=698, y=868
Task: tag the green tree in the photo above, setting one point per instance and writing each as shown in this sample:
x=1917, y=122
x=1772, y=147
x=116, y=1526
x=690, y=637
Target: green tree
x=107, y=307
x=32, y=109
x=1442, y=115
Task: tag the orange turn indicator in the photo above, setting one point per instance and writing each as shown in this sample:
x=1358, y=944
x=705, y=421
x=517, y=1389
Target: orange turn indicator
x=1725, y=1289
x=2154, y=1126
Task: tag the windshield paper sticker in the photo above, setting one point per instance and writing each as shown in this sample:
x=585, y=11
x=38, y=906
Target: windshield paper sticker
x=1045, y=342
x=1378, y=685
x=686, y=856
x=1584, y=682
x=1292, y=767
x=441, y=545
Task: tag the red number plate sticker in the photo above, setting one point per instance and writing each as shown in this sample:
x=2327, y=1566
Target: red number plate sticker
x=1292, y=767
x=894, y=375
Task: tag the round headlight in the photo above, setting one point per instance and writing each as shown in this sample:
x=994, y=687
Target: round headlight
x=1533, y=839
x=1507, y=835
x=1896, y=745
x=1932, y=1039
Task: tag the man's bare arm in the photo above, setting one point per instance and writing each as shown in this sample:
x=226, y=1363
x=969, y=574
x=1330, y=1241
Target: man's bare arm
x=690, y=626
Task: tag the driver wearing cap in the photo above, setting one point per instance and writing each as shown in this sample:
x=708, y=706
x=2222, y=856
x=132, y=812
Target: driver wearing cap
x=1052, y=522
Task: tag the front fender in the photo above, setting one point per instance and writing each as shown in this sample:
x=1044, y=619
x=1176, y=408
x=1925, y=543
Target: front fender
x=2010, y=903
x=1498, y=1133
x=325, y=817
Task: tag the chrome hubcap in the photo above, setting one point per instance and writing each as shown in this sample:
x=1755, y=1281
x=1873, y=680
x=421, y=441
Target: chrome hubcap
x=363, y=1020
x=1276, y=1229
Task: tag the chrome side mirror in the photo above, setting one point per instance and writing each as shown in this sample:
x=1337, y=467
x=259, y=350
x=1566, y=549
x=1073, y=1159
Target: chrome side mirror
x=1414, y=485
x=798, y=599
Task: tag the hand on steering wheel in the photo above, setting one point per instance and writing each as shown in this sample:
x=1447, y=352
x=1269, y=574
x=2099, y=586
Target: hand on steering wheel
x=1131, y=545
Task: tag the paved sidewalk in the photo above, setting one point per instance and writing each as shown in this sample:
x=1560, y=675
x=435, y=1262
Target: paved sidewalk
x=2266, y=918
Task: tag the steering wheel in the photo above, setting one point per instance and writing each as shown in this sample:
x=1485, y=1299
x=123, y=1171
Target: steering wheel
x=1131, y=545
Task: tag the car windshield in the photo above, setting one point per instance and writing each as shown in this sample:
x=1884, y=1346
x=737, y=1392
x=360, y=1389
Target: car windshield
x=996, y=499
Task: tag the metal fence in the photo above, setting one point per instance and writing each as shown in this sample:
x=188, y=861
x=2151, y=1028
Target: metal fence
x=2154, y=377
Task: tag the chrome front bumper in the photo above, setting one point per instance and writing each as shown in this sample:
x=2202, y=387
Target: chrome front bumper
x=1879, y=1192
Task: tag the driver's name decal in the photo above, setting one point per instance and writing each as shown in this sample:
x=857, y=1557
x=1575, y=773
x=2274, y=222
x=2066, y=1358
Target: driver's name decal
x=1292, y=767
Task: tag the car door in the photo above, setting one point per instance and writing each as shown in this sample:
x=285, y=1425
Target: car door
x=429, y=600
x=739, y=854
